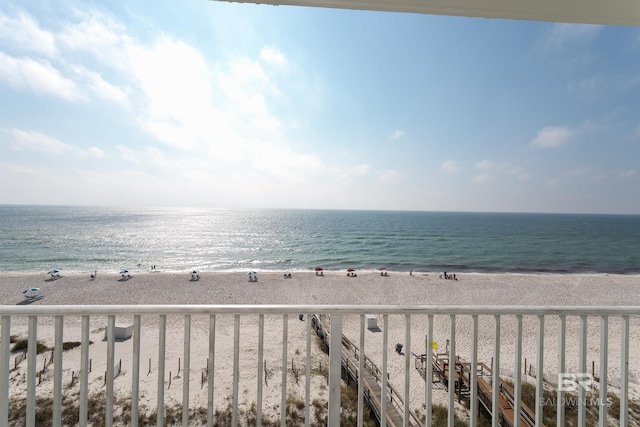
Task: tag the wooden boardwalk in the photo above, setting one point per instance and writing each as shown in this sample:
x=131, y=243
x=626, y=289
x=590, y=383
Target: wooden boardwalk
x=485, y=390
x=371, y=379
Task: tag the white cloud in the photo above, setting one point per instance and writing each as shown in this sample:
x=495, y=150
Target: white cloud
x=450, y=167
x=397, y=135
x=39, y=77
x=360, y=169
x=590, y=87
x=488, y=165
x=20, y=170
x=273, y=56
x=563, y=34
x=103, y=89
x=22, y=32
x=627, y=174
x=94, y=152
x=482, y=178
x=552, y=137
x=37, y=141
x=579, y=172
x=484, y=165
x=220, y=111
x=388, y=176
x=176, y=85
x=100, y=35
x=127, y=153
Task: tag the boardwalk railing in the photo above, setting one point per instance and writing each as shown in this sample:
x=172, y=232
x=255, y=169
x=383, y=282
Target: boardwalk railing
x=29, y=317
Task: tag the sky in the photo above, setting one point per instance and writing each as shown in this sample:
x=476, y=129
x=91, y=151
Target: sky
x=223, y=105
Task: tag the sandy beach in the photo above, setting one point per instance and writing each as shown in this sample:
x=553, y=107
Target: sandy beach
x=368, y=288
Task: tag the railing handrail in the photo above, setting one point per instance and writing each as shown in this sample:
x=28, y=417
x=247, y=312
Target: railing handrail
x=339, y=311
x=194, y=309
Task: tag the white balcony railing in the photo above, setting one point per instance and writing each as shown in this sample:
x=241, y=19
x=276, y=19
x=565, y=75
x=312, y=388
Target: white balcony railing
x=470, y=332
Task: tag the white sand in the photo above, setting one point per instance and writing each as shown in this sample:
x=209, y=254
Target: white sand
x=306, y=288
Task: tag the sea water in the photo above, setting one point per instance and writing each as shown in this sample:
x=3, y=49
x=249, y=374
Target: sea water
x=84, y=239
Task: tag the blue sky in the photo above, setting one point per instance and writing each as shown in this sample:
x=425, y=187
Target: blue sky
x=204, y=103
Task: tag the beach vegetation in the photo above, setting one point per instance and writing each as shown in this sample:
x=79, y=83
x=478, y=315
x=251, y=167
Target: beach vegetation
x=69, y=345
x=173, y=413
x=349, y=404
x=570, y=405
x=440, y=417
x=23, y=344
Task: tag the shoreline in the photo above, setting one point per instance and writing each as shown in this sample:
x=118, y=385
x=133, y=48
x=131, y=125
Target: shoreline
x=141, y=270
x=369, y=287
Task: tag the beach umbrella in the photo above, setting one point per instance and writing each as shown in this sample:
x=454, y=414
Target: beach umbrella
x=319, y=269
x=54, y=271
x=251, y=273
x=194, y=272
x=124, y=271
x=34, y=289
x=382, y=269
x=350, y=270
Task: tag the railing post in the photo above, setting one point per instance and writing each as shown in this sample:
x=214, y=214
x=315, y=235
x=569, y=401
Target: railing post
x=84, y=373
x=452, y=370
x=187, y=370
x=473, y=381
x=111, y=325
x=383, y=394
x=624, y=373
x=162, y=340
x=428, y=394
x=582, y=367
x=4, y=371
x=260, y=369
x=562, y=330
x=360, y=374
x=135, y=379
x=210, y=368
x=540, y=372
x=283, y=391
x=495, y=408
x=307, y=393
x=32, y=350
x=335, y=369
x=517, y=375
x=604, y=355
x=407, y=365
x=57, y=372
x=236, y=369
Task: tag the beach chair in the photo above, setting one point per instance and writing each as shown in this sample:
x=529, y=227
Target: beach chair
x=32, y=294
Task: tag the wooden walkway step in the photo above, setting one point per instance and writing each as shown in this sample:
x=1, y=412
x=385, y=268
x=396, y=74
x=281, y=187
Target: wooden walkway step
x=374, y=391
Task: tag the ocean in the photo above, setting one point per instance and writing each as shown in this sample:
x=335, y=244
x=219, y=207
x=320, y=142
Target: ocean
x=36, y=239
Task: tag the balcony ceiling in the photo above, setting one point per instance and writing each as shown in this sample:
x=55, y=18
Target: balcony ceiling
x=607, y=12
